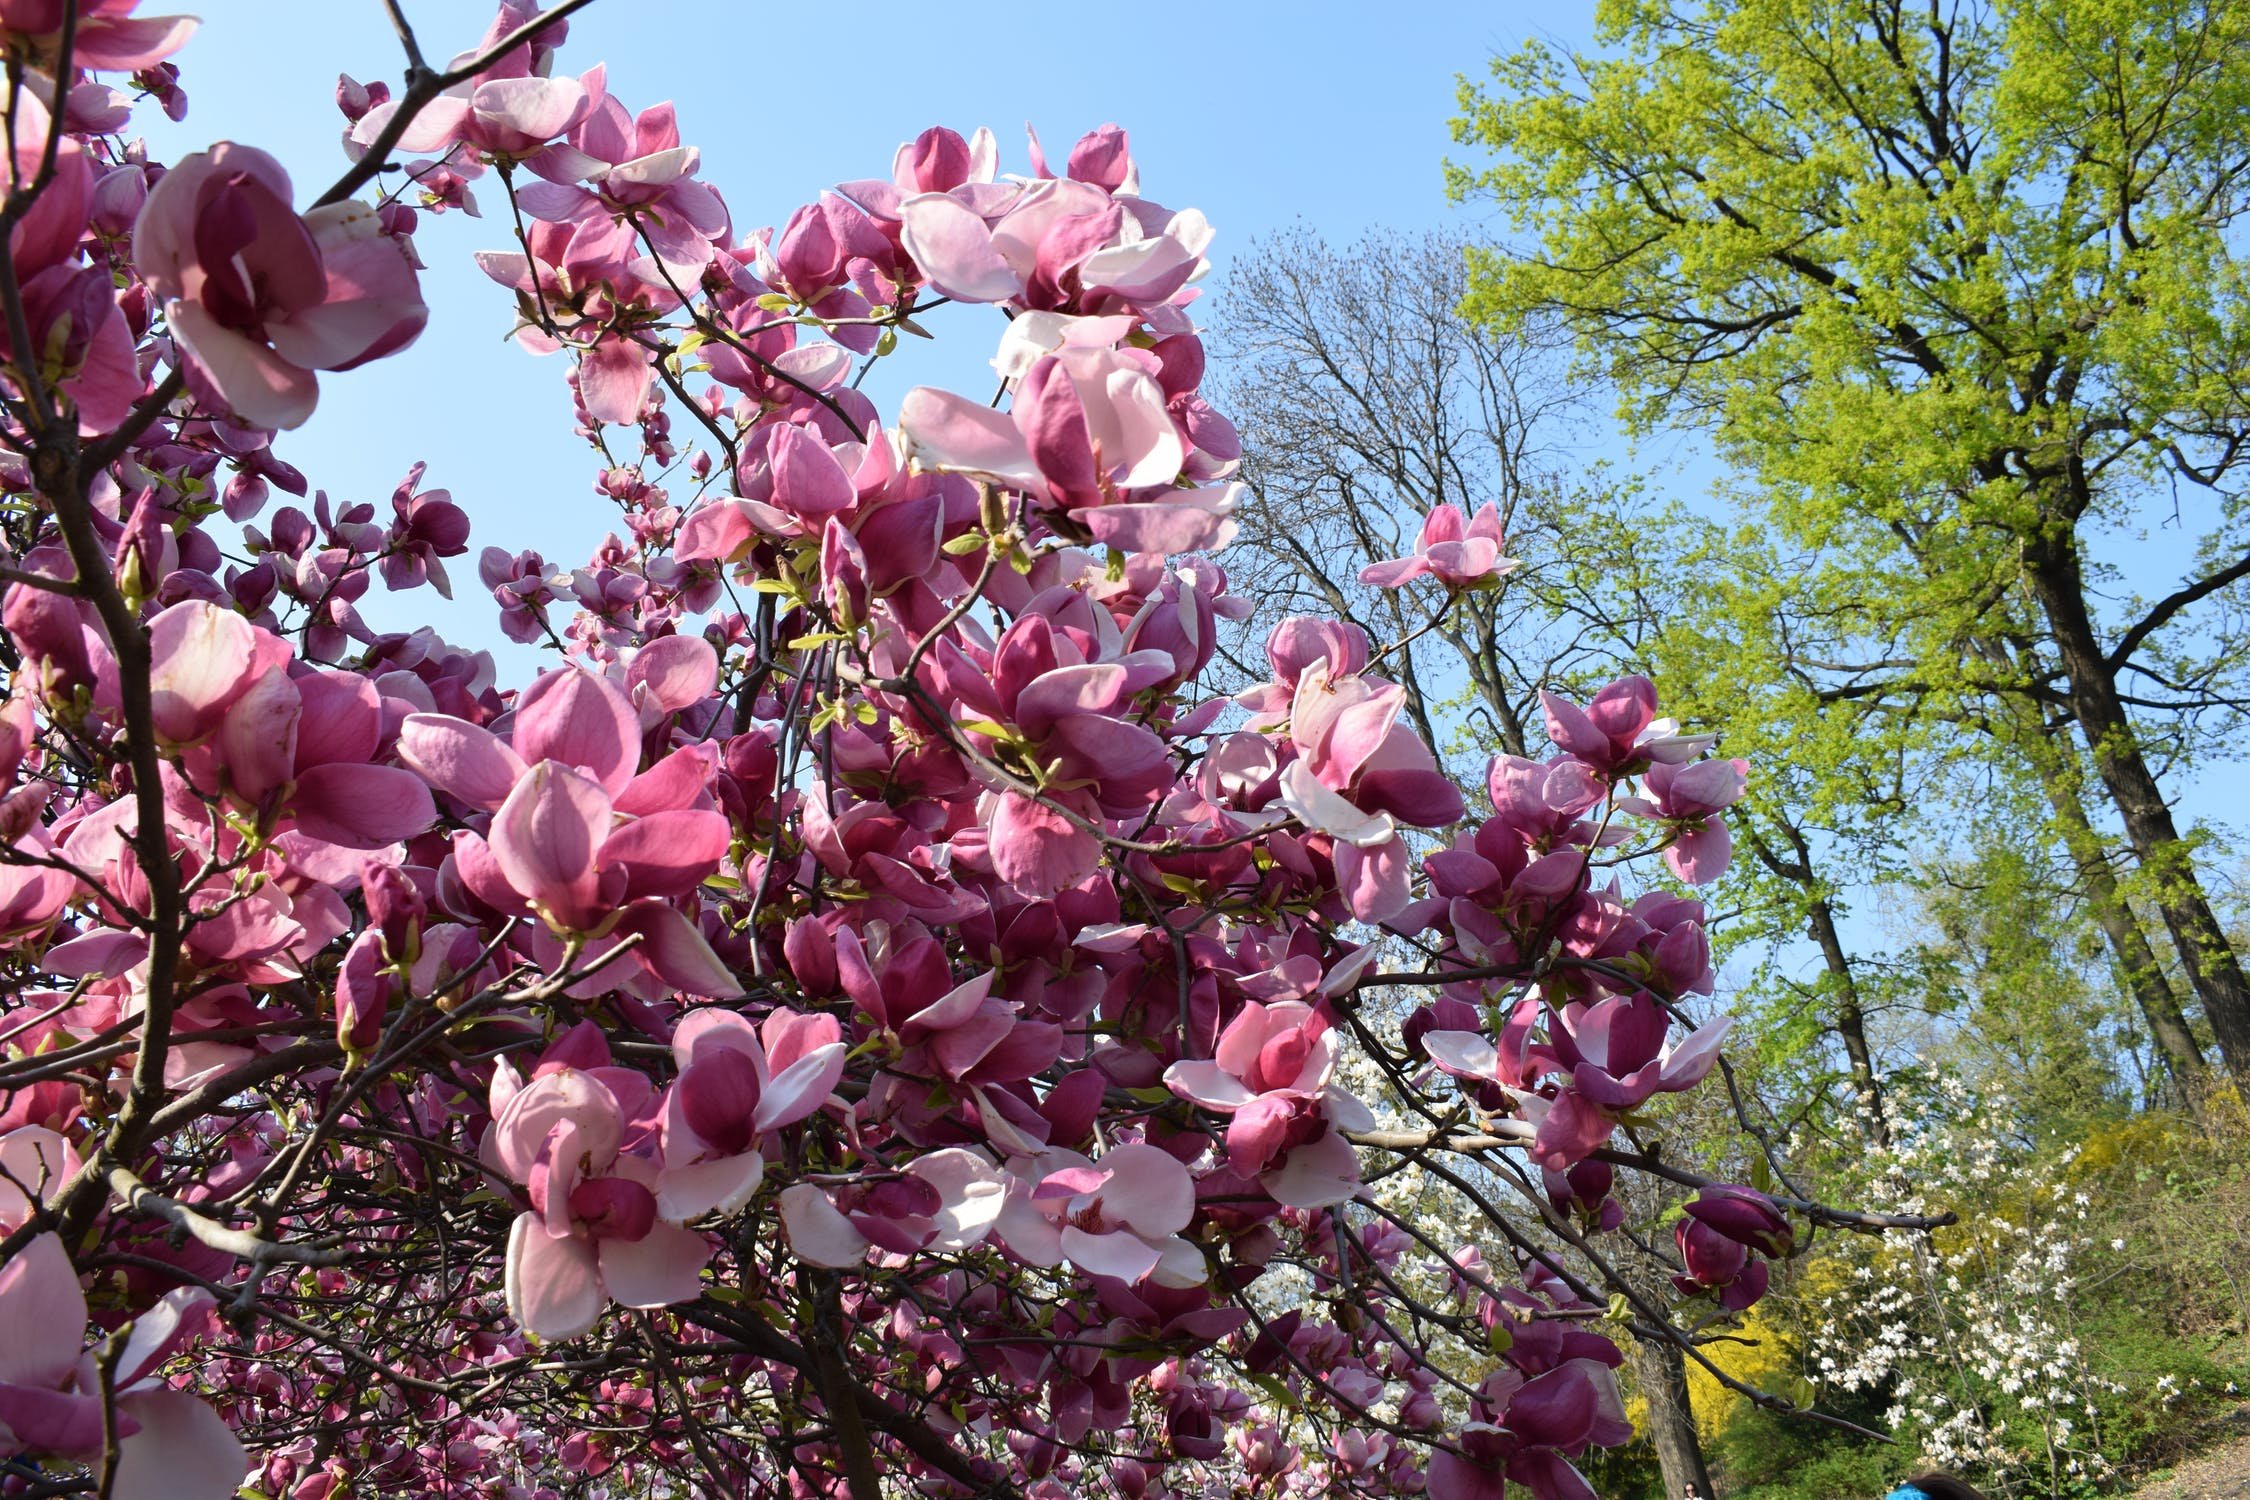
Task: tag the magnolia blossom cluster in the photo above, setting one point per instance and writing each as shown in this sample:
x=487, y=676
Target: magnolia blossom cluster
x=867, y=1007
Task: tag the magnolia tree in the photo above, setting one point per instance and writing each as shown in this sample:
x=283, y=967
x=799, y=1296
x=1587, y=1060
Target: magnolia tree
x=861, y=1020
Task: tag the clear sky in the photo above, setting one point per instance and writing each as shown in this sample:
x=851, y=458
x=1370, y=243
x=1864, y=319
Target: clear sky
x=1257, y=113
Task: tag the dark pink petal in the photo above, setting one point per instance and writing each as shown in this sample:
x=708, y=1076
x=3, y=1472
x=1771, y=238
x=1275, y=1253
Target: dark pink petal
x=676, y=953
x=545, y=837
x=361, y=807
x=461, y=759
x=667, y=853
x=583, y=720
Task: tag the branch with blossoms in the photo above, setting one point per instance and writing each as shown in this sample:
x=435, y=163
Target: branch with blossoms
x=867, y=1014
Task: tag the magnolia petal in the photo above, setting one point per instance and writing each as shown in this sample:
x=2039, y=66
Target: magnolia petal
x=182, y=1451
x=660, y=1268
x=817, y=1231
x=554, y=1286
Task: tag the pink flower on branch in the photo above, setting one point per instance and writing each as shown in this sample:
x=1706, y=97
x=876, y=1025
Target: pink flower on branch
x=1459, y=554
x=258, y=298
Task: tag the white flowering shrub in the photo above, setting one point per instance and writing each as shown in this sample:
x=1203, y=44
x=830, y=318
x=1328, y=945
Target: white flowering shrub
x=1969, y=1333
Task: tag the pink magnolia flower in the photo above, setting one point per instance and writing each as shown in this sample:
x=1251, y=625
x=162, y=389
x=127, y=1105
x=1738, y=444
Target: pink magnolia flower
x=945, y=1200
x=258, y=298
x=1528, y=1429
x=171, y=1444
x=579, y=836
x=1619, y=729
x=1090, y=435
x=1360, y=774
x=1458, y=554
x=1616, y=1055
x=1723, y=1230
x=1716, y=1264
x=109, y=38
x=1294, y=646
x=1084, y=243
x=293, y=743
x=964, y=1034
x=737, y=1082
x=1065, y=718
x=1690, y=797
x=592, y=1235
x=512, y=108
x=1119, y=1216
x=633, y=166
x=87, y=347
x=1272, y=1072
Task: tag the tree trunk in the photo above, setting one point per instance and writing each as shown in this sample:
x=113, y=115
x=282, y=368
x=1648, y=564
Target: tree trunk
x=1660, y=1375
x=2128, y=944
x=1850, y=1019
x=2052, y=569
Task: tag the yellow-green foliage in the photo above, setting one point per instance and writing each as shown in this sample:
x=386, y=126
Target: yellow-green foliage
x=1768, y=1362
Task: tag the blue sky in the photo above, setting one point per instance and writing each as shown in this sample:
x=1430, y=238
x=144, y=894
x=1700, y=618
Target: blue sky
x=1259, y=114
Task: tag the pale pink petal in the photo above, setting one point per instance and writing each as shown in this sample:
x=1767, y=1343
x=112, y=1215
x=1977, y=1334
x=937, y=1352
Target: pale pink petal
x=202, y=658
x=721, y=1186
x=461, y=759
x=182, y=1450
x=800, y=1088
x=1148, y=1189
x=127, y=44
x=1117, y=1253
x=566, y=1097
x=257, y=384
x=956, y=435
x=41, y=1161
x=435, y=127
x=1319, y=1174
x=817, y=1232
x=953, y=246
x=373, y=300
x=660, y=1268
x=1390, y=574
x=1464, y=1054
x=554, y=1288
x=42, y=1315
x=1207, y=1084
x=973, y=1190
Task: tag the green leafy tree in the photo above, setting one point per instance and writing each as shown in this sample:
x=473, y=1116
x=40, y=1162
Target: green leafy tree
x=1959, y=284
